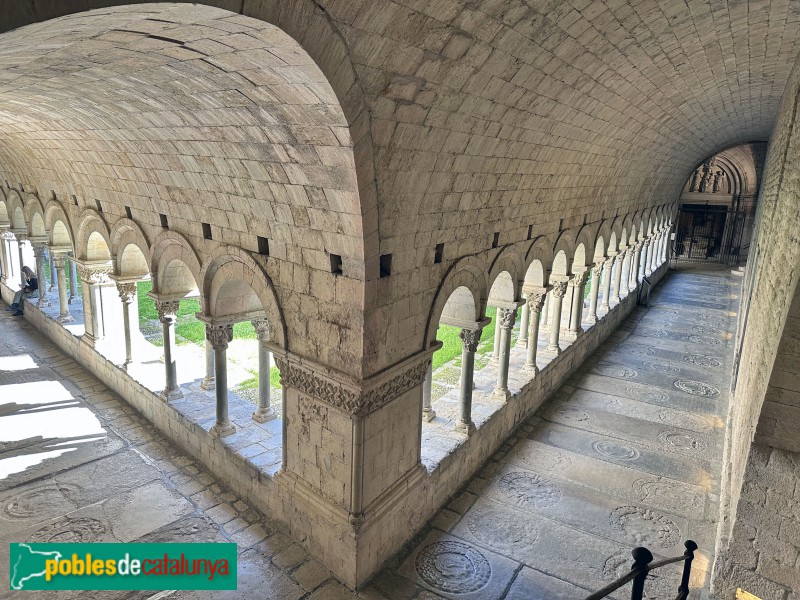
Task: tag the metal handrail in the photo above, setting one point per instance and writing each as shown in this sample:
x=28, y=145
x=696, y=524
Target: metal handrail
x=642, y=559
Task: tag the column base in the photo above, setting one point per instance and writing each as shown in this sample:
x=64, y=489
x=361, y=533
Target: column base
x=69, y=301
x=553, y=350
x=67, y=318
x=531, y=369
x=590, y=320
x=615, y=299
x=209, y=384
x=501, y=394
x=428, y=414
x=466, y=428
x=632, y=289
x=219, y=430
x=88, y=339
x=262, y=416
x=493, y=362
x=522, y=343
x=173, y=394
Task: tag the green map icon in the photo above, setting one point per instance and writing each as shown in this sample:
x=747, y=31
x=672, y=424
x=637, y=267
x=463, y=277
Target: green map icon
x=27, y=564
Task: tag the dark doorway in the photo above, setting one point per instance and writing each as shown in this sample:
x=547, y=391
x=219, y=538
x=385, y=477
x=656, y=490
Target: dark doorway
x=708, y=233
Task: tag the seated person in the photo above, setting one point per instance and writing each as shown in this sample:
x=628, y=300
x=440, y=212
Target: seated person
x=30, y=290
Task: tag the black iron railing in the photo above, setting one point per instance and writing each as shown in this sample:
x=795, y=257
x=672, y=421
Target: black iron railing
x=642, y=565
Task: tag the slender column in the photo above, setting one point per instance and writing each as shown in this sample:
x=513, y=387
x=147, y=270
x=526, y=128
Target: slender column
x=615, y=285
x=127, y=294
x=578, y=290
x=92, y=277
x=635, y=266
x=167, y=314
x=5, y=262
x=546, y=312
x=209, y=383
x=469, y=343
x=52, y=264
x=522, y=341
x=505, y=322
x=647, y=251
x=60, y=263
x=220, y=336
x=655, y=253
x=73, y=281
x=631, y=280
x=559, y=289
x=496, y=348
x=20, y=243
x=264, y=412
x=38, y=253
x=594, y=292
x=535, y=302
x=428, y=414
x=608, y=265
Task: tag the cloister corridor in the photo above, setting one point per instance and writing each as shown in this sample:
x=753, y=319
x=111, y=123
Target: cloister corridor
x=626, y=453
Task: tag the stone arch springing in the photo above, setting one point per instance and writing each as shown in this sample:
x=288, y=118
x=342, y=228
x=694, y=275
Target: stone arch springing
x=130, y=250
x=93, y=242
x=175, y=266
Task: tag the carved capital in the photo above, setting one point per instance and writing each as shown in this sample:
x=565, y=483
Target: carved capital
x=580, y=279
x=350, y=398
x=262, y=330
x=167, y=310
x=127, y=291
x=470, y=339
x=559, y=289
x=219, y=336
x=60, y=260
x=93, y=275
x=536, y=300
x=608, y=264
x=506, y=317
x=597, y=269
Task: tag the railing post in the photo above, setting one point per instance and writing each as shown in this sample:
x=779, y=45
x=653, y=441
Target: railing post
x=642, y=557
x=683, y=590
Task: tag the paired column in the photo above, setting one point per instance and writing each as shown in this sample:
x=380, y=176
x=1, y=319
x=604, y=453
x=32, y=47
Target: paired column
x=209, y=382
x=38, y=254
x=594, y=292
x=264, y=411
x=535, y=302
x=647, y=251
x=619, y=260
x=51, y=261
x=73, y=280
x=546, y=312
x=578, y=285
x=505, y=323
x=634, y=271
x=496, y=347
x=5, y=259
x=220, y=335
x=60, y=263
x=469, y=344
x=93, y=276
x=522, y=340
x=21, y=239
x=608, y=265
x=557, y=298
x=127, y=295
x=168, y=314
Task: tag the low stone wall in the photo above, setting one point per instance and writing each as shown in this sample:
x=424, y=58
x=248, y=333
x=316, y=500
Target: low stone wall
x=402, y=515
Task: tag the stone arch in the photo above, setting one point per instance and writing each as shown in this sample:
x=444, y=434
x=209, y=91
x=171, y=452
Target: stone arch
x=5, y=220
x=464, y=278
x=233, y=284
x=16, y=212
x=536, y=275
x=587, y=237
x=565, y=243
x=93, y=241
x=561, y=264
x=34, y=216
x=130, y=249
x=175, y=266
x=58, y=224
x=512, y=265
x=541, y=250
x=599, y=249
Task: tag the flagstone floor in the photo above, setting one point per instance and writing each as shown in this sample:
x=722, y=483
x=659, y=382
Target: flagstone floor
x=627, y=453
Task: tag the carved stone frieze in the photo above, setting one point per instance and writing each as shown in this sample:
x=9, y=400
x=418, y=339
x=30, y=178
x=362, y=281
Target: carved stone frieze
x=350, y=397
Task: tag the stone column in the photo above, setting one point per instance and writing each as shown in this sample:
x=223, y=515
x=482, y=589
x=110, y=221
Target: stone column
x=20, y=243
x=73, y=280
x=522, y=340
x=209, y=383
x=52, y=263
x=496, y=348
x=469, y=344
x=220, y=336
x=505, y=322
x=167, y=314
x=428, y=414
x=608, y=265
x=594, y=292
x=5, y=263
x=60, y=262
x=264, y=412
x=545, y=324
x=535, y=302
x=619, y=259
x=647, y=251
x=127, y=295
x=557, y=294
x=38, y=253
x=633, y=282
x=576, y=310
x=92, y=276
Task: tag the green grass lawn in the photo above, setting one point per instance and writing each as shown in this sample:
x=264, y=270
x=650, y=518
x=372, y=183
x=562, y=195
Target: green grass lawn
x=449, y=336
